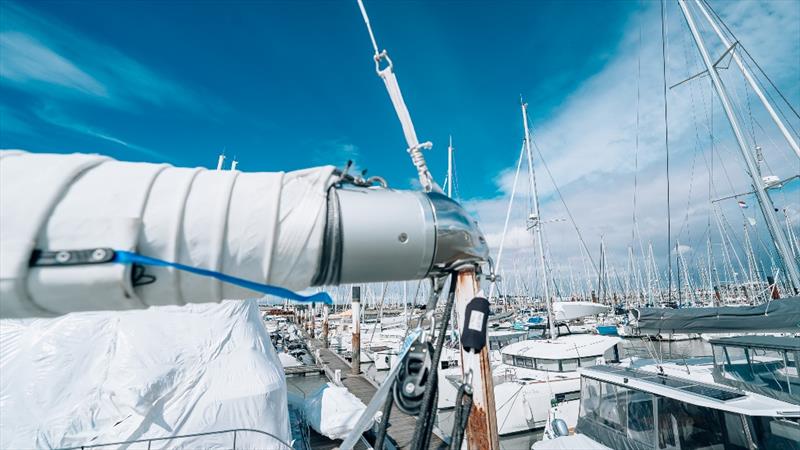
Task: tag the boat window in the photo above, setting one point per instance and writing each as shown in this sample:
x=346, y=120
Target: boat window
x=613, y=406
x=769, y=368
x=568, y=365
x=551, y=365
x=775, y=432
x=640, y=417
x=493, y=345
x=589, y=361
x=736, y=366
x=683, y=425
x=590, y=398
x=508, y=359
x=518, y=361
x=529, y=363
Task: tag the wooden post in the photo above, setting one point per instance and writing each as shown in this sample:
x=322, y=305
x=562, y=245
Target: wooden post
x=481, y=430
x=325, y=326
x=356, y=361
x=311, y=324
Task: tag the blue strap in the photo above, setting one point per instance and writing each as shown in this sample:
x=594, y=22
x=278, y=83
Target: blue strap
x=124, y=257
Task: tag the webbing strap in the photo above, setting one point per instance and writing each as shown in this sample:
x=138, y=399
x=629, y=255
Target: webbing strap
x=124, y=257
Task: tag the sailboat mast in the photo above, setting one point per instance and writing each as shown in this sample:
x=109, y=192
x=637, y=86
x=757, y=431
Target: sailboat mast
x=764, y=201
x=450, y=168
x=536, y=222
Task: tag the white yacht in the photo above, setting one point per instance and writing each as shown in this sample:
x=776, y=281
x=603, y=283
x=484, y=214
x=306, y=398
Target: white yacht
x=534, y=374
x=746, y=397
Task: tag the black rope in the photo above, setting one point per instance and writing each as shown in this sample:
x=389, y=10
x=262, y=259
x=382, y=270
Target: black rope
x=387, y=409
x=666, y=143
x=461, y=416
x=422, y=430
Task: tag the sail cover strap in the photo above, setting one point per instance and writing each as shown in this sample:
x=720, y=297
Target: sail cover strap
x=125, y=257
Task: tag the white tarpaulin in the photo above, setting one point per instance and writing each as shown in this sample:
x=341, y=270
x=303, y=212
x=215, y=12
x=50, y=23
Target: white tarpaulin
x=102, y=377
x=333, y=411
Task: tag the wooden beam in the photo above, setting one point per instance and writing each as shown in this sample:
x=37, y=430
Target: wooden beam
x=481, y=430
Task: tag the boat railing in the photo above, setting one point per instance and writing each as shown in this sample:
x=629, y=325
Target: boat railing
x=169, y=441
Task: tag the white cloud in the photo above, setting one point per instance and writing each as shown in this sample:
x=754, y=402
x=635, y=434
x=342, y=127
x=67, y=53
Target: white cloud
x=42, y=56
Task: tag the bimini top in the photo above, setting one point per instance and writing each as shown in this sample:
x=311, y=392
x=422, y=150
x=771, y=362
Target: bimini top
x=692, y=391
x=570, y=346
x=791, y=344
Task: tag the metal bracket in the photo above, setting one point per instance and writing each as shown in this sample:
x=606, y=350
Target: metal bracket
x=52, y=258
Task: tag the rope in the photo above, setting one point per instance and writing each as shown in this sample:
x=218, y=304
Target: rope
x=369, y=27
x=461, y=416
x=422, y=430
x=414, y=147
x=124, y=257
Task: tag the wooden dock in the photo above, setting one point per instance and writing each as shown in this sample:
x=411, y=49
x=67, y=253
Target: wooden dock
x=304, y=370
x=401, y=426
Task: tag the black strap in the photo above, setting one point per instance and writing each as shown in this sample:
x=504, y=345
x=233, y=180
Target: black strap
x=387, y=409
x=461, y=416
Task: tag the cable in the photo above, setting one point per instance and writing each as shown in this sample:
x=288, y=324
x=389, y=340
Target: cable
x=666, y=141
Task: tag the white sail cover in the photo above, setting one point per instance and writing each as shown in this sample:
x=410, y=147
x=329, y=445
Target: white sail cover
x=96, y=378
x=565, y=311
x=263, y=227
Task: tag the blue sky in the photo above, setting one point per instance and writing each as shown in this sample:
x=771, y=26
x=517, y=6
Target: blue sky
x=286, y=85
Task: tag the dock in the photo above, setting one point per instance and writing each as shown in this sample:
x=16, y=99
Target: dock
x=401, y=426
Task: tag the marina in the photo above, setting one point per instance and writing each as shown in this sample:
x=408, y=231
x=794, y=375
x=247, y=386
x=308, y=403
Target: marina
x=604, y=255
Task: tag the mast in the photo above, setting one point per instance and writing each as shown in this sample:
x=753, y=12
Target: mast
x=536, y=222
x=750, y=80
x=764, y=201
x=450, y=168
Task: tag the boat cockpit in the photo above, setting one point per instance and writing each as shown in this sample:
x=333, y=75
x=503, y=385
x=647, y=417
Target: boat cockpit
x=624, y=408
x=763, y=364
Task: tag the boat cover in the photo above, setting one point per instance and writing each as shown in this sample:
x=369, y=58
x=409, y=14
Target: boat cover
x=264, y=227
x=333, y=411
x=96, y=378
x=774, y=316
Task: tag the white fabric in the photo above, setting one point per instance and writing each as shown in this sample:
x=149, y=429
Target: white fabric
x=104, y=377
x=264, y=227
x=333, y=411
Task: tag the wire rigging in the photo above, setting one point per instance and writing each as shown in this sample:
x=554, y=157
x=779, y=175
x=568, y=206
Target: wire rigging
x=666, y=140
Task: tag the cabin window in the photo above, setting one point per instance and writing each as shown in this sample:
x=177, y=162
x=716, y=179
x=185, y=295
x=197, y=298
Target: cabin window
x=775, y=432
x=508, y=359
x=519, y=361
x=613, y=406
x=770, y=368
x=550, y=365
x=568, y=365
x=640, y=417
x=590, y=398
x=529, y=363
x=683, y=425
x=589, y=361
x=736, y=366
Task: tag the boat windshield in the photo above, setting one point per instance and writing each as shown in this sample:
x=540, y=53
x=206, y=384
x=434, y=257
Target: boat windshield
x=620, y=417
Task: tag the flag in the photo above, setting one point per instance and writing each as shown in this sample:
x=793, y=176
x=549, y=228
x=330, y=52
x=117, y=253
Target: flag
x=742, y=204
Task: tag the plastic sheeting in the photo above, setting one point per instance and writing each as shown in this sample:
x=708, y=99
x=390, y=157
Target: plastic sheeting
x=102, y=377
x=333, y=411
x=774, y=316
x=264, y=227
